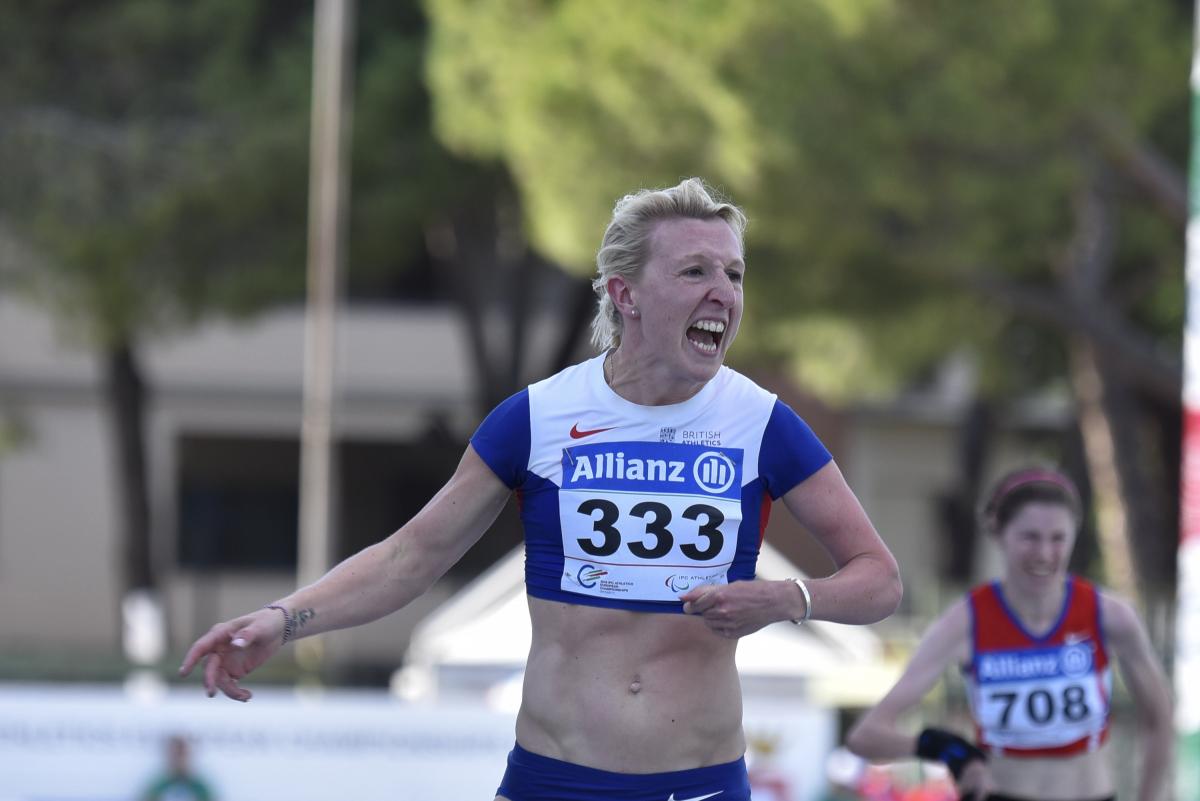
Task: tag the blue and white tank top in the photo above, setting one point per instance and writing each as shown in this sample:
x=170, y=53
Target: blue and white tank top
x=629, y=506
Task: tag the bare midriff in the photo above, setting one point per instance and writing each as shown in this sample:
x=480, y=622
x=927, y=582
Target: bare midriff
x=630, y=692
x=1080, y=776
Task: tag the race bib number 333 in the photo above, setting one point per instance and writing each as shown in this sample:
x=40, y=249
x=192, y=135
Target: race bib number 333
x=648, y=520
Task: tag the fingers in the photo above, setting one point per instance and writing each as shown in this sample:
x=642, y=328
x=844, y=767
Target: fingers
x=223, y=654
x=218, y=677
x=211, y=642
x=232, y=689
x=705, y=602
x=212, y=674
x=718, y=619
x=241, y=638
x=202, y=646
x=699, y=600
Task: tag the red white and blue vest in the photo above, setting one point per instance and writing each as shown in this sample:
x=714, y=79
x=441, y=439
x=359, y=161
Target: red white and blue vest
x=628, y=506
x=1045, y=695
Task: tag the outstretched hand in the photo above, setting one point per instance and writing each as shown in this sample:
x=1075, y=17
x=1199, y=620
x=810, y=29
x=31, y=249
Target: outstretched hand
x=231, y=650
x=737, y=609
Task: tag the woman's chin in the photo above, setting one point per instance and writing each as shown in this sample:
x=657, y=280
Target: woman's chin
x=704, y=365
x=1040, y=577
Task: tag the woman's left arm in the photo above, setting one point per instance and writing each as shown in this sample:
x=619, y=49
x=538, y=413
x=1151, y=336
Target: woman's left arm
x=865, y=588
x=1144, y=676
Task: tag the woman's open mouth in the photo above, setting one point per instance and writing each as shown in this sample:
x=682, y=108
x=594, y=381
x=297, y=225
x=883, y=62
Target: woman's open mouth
x=706, y=335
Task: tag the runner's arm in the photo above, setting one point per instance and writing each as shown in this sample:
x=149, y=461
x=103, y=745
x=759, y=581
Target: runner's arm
x=866, y=587
x=877, y=734
x=1147, y=683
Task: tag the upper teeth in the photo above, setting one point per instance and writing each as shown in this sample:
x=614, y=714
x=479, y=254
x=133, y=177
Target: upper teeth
x=715, y=326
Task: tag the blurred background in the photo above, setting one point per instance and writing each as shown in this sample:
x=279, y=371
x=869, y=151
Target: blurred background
x=265, y=265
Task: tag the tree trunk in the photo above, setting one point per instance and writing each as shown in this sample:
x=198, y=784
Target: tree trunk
x=1100, y=449
x=1125, y=460
x=496, y=283
x=579, y=304
x=1133, y=475
x=956, y=506
x=126, y=393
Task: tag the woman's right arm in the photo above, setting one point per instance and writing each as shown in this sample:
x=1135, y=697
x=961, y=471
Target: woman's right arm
x=374, y=582
x=877, y=734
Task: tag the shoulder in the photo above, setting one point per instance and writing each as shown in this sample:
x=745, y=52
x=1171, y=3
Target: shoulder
x=952, y=631
x=946, y=640
x=982, y=596
x=1123, y=630
x=1119, y=619
x=730, y=382
x=955, y=620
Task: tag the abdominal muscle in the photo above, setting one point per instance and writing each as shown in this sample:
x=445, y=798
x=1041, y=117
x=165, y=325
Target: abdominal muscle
x=629, y=692
x=1082, y=776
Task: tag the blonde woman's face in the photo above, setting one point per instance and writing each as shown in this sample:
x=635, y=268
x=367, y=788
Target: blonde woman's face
x=689, y=295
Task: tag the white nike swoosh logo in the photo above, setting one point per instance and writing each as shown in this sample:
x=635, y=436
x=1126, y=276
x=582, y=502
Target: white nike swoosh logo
x=695, y=797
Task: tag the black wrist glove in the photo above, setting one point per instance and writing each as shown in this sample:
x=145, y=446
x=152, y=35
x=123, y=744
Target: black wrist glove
x=939, y=745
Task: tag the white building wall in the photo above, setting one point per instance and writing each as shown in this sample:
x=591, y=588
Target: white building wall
x=897, y=467
x=59, y=548
x=58, y=557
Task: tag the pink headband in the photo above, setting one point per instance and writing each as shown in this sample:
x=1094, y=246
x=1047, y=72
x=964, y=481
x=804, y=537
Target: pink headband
x=1034, y=476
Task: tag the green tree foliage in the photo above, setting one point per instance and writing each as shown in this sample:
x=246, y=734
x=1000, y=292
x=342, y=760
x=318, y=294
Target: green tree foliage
x=155, y=172
x=133, y=143
x=891, y=154
x=155, y=162
x=920, y=175
x=156, y=156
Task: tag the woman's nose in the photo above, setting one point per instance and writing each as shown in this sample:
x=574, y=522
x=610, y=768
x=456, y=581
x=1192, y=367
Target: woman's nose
x=723, y=291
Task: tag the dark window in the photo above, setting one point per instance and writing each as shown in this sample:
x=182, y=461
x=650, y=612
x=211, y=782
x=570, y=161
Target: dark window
x=383, y=484
x=238, y=502
x=239, y=499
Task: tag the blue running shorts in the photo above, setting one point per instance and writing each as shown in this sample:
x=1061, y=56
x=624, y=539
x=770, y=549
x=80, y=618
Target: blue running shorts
x=532, y=777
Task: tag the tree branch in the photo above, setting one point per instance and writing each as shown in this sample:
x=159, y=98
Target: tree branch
x=1141, y=164
x=1133, y=354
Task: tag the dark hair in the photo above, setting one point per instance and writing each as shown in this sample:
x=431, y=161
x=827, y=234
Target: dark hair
x=1029, y=485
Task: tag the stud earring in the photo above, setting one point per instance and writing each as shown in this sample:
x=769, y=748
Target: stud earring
x=633, y=312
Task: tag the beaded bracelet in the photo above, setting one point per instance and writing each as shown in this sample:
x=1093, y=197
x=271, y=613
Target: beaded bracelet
x=289, y=622
x=807, y=602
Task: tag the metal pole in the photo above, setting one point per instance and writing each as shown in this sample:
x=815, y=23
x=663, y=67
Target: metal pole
x=328, y=181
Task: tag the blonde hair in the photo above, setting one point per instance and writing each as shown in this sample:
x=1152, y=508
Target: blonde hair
x=625, y=247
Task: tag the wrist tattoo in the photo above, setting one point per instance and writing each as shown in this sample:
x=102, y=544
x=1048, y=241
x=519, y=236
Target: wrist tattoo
x=292, y=623
x=303, y=616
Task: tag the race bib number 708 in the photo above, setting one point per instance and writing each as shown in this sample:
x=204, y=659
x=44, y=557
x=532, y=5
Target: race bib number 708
x=1040, y=698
